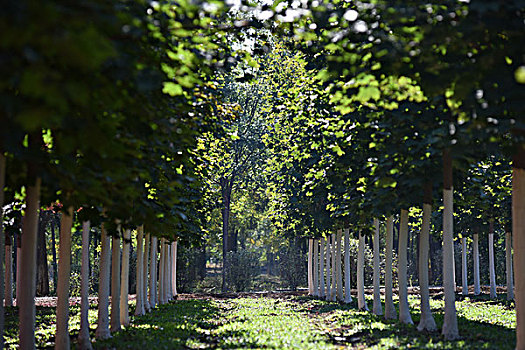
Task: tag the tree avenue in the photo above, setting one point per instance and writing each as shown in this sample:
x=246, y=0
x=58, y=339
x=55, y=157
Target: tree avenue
x=359, y=152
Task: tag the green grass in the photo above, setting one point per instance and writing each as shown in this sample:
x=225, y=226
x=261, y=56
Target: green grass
x=288, y=322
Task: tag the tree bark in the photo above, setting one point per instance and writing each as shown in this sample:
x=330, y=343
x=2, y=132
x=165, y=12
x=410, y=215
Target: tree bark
x=310, y=266
x=8, y=273
x=145, y=266
x=322, y=276
x=104, y=286
x=361, y=301
x=124, y=279
x=492, y=270
x=153, y=274
x=333, y=290
x=139, y=309
x=475, y=253
x=84, y=342
x=378, y=308
x=390, y=310
x=328, y=268
x=27, y=276
x=404, y=309
x=348, y=272
x=426, y=321
x=169, y=294
x=518, y=233
x=162, y=294
x=174, y=268
x=2, y=248
x=508, y=265
x=115, y=285
x=42, y=272
x=464, y=281
x=64, y=272
x=18, y=257
x=450, y=321
x=338, y=267
x=54, y=253
x=315, y=268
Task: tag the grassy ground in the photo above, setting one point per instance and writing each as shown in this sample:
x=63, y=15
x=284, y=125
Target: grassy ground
x=288, y=322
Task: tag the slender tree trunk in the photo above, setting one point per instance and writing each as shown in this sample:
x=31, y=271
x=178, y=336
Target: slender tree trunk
x=378, y=308
x=450, y=321
x=508, y=265
x=147, y=307
x=426, y=321
x=2, y=248
x=328, y=268
x=124, y=279
x=64, y=272
x=174, y=268
x=322, y=276
x=153, y=275
x=18, y=257
x=103, y=286
x=54, y=254
x=492, y=270
x=361, y=301
x=8, y=272
x=168, y=272
x=348, y=272
x=518, y=233
x=475, y=253
x=333, y=290
x=226, y=199
x=162, y=295
x=464, y=281
x=315, y=268
x=139, y=309
x=27, y=277
x=339, y=270
x=115, y=285
x=404, y=309
x=84, y=342
x=390, y=310
x=42, y=272
x=310, y=266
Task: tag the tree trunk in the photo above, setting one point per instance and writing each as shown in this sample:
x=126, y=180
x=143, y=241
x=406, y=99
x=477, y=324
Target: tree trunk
x=124, y=279
x=115, y=285
x=226, y=197
x=2, y=248
x=464, y=281
x=145, y=261
x=426, y=321
x=378, y=308
x=54, y=253
x=84, y=342
x=333, y=290
x=518, y=233
x=322, y=276
x=103, y=286
x=174, y=268
x=348, y=272
x=450, y=321
x=475, y=253
x=169, y=293
x=27, y=276
x=404, y=309
x=315, y=268
x=18, y=257
x=64, y=272
x=338, y=267
x=390, y=310
x=328, y=268
x=153, y=274
x=508, y=265
x=492, y=270
x=42, y=272
x=8, y=272
x=361, y=301
x=162, y=294
x=139, y=309
x=310, y=266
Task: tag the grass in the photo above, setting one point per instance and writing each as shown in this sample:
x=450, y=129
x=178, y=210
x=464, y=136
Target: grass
x=287, y=322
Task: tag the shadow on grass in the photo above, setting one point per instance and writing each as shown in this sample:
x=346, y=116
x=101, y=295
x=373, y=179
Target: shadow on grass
x=179, y=325
x=349, y=326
